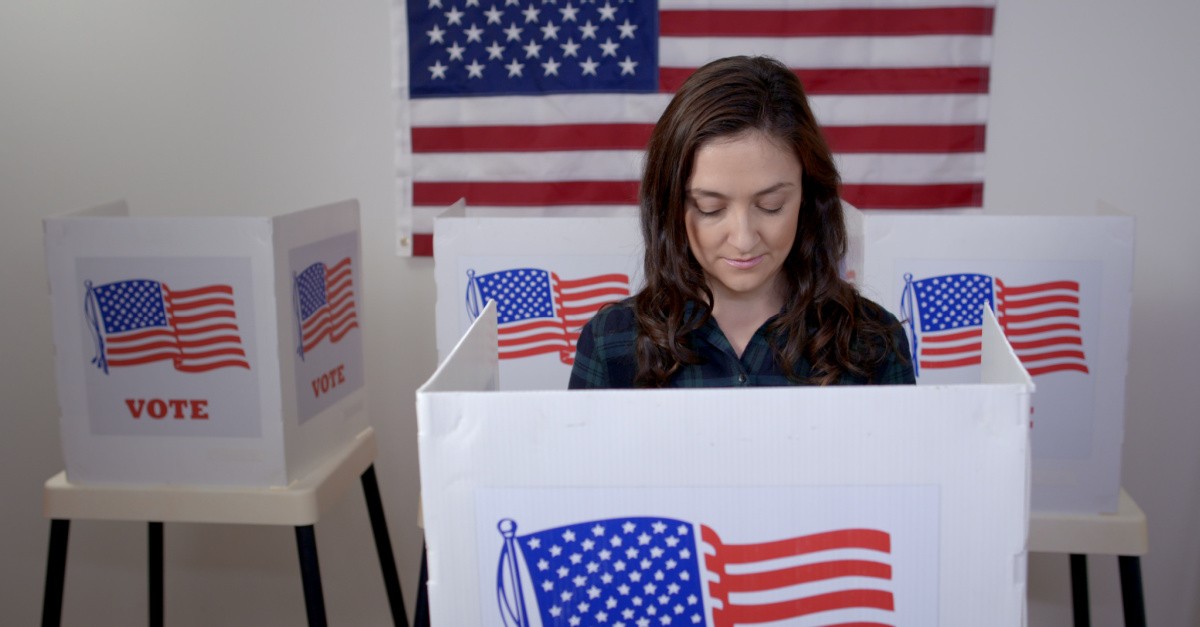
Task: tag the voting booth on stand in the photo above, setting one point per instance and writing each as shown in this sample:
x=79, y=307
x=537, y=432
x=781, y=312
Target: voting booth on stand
x=898, y=505
x=548, y=276
x=206, y=350
x=209, y=370
x=1061, y=287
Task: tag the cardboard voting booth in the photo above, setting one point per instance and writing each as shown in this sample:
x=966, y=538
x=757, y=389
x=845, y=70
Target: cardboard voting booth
x=1062, y=290
x=548, y=275
x=206, y=350
x=896, y=505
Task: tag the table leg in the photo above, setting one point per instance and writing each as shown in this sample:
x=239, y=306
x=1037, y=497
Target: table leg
x=155, y=570
x=1131, y=590
x=1080, y=607
x=421, y=614
x=56, y=571
x=383, y=546
x=310, y=574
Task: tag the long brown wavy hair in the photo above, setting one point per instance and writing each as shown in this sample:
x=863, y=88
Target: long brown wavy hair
x=824, y=321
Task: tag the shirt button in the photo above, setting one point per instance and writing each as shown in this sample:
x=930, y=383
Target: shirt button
x=742, y=378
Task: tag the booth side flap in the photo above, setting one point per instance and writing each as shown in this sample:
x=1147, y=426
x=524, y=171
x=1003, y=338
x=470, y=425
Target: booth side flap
x=473, y=365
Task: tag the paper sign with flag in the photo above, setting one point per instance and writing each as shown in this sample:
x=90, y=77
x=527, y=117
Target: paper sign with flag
x=1041, y=321
x=141, y=321
x=538, y=312
x=633, y=571
x=519, y=105
x=324, y=304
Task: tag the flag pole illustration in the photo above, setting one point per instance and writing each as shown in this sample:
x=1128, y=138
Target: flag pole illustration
x=324, y=302
x=944, y=316
x=537, y=311
x=140, y=321
x=638, y=571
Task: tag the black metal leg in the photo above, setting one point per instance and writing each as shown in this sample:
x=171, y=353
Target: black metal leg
x=383, y=546
x=421, y=614
x=155, y=552
x=56, y=571
x=1079, y=591
x=310, y=574
x=1131, y=590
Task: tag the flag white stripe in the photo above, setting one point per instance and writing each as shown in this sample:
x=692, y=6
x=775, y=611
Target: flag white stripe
x=626, y=165
x=645, y=109
x=834, y=52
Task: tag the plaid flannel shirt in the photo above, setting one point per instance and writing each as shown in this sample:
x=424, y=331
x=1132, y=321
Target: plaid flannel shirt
x=605, y=357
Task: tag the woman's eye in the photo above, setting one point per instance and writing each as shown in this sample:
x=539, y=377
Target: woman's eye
x=708, y=211
x=772, y=209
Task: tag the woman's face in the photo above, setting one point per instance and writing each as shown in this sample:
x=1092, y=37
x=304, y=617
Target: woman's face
x=743, y=205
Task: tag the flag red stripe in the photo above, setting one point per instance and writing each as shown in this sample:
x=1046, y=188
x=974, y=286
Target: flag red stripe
x=931, y=138
x=144, y=359
x=1046, y=328
x=518, y=194
x=1007, y=318
x=597, y=293
x=754, y=582
x=954, y=337
x=867, y=81
x=871, y=539
x=311, y=342
x=214, y=365
x=570, y=284
x=741, y=614
x=197, y=304
x=1066, y=354
x=209, y=341
x=191, y=355
x=1021, y=290
x=177, y=319
x=1049, y=341
x=1011, y=303
x=135, y=336
x=141, y=348
x=528, y=326
x=939, y=196
x=1039, y=370
x=530, y=339
x=951, y=350
x=530, y=352
x=422, y=244
x=199, y=291
x=974, y=360
x=827, y=22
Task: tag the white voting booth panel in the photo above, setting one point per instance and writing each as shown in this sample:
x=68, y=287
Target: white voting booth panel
x=548, y=276
x=1062, y=290
x=206, y=350
x=897, y=505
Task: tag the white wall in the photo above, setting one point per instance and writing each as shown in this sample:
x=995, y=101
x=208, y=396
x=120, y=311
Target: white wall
x=230, y=107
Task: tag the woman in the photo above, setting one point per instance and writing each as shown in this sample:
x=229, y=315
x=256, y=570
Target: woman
x=744, y=235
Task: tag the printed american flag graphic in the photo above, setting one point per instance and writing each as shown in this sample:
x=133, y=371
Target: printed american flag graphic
x=538, y=312
x=1041, y=321
x=535, y=104
x=641, y=571
x=141, y=321
x=325, y=304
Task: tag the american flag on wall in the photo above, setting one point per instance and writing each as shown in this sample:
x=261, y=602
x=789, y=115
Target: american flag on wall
x=324, y=304
x=538, y=312
x=1040, y=320
x=141, y=321
x=639, y=571
x=547, y=104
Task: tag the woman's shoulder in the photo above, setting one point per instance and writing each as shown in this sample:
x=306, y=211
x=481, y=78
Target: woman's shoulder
x=615, y=321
